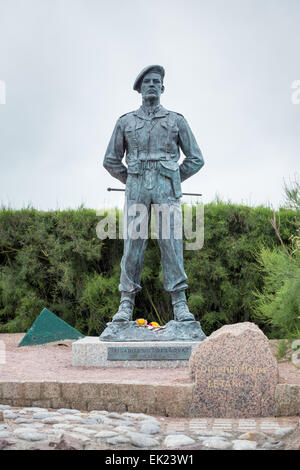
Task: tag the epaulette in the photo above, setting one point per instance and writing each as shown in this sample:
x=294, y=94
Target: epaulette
x=130, y=112
x=174, y=112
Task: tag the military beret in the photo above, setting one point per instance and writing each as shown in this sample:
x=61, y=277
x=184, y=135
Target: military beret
x=139, y=78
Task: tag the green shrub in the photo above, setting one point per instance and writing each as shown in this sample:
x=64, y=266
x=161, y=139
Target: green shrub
x=278, y=303
x=55, y=260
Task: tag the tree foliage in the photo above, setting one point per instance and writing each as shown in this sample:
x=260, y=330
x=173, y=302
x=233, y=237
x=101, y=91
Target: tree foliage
x=278, y=303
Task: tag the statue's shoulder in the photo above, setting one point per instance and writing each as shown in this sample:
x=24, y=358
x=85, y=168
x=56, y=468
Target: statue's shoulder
x=175, y=116
x=126, y=120
x=174, y=113
x=128, y=115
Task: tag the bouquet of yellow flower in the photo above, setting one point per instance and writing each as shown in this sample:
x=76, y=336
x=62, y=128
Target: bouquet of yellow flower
x=151, y=326
x=141, y=322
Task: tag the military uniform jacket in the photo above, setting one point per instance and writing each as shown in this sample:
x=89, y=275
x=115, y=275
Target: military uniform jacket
x=157, y=138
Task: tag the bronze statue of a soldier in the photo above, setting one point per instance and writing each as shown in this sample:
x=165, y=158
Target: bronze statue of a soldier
x=152, y=138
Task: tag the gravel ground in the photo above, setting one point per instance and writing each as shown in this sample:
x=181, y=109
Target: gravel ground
x=50, y=362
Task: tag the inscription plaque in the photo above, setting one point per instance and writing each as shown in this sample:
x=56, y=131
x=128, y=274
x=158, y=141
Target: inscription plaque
x=148, y=353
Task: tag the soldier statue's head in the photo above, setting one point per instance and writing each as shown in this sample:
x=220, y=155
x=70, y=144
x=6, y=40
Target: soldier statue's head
x=149, y=83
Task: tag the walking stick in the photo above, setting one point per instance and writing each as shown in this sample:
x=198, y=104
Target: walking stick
x=184, y=194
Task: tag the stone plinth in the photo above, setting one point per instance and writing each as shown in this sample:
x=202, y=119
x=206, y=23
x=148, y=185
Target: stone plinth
x=173, y=331
x=235, y=374
x=91, y=352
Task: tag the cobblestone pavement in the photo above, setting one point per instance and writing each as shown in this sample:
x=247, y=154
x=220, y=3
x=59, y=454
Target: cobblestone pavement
x=39, y=428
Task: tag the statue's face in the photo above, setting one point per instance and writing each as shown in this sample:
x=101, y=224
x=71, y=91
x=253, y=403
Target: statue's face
x=152, y=86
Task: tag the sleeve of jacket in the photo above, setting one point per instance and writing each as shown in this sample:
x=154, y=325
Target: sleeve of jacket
x=114, y=154
x=193, y=161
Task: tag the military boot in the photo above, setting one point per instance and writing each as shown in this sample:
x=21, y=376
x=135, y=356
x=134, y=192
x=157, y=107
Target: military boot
x=125, y=309
x=180, y=308
x=182, y=313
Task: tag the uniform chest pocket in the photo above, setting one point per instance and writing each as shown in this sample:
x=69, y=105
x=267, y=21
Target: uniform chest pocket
x=171, y=133
x=165, y=125
x=139, y=125
x=129, y=131
x=130, y=137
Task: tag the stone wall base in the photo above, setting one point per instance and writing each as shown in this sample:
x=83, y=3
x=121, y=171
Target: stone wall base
x=156, y=399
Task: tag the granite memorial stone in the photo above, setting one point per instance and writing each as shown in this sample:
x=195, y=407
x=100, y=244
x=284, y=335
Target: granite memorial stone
x=235, y=374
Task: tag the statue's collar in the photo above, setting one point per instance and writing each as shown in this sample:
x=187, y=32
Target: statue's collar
x=159, y=111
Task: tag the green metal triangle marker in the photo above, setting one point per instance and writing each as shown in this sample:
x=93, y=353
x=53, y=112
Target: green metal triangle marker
x=48, y=328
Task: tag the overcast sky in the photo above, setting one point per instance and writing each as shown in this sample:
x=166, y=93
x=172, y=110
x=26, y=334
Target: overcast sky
x=69, y=68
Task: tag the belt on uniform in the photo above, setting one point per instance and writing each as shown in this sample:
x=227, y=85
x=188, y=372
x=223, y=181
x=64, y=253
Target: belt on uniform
x=149, y=164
